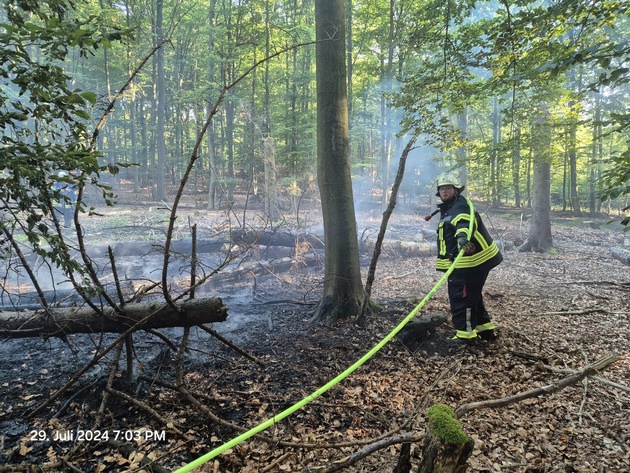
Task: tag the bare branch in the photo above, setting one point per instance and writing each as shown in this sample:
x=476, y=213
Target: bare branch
x=578, y=376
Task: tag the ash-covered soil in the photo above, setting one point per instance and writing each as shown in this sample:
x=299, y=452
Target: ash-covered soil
x=557, y=313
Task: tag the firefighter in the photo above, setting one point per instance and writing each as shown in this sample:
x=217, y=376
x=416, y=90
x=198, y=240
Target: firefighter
x=465, y=284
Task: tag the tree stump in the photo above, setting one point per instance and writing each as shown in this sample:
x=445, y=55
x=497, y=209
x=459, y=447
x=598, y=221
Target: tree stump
x=415, y=332
x=446, y=447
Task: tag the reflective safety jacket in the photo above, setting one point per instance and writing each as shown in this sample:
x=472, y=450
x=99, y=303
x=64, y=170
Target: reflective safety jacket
x=454, y=223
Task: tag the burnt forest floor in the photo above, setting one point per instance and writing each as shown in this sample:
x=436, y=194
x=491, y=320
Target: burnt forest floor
x=557, y=313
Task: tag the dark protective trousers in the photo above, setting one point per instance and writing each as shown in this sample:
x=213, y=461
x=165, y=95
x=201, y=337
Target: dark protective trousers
x=464, y=294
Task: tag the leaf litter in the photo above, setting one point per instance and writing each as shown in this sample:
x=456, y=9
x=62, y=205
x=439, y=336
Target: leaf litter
x=558, y=311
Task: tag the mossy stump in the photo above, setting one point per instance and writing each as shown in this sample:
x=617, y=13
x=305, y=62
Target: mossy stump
x=446, y=447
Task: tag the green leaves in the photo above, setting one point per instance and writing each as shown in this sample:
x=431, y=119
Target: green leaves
x=43, y=126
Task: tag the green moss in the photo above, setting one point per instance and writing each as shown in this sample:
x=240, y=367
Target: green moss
x=444, y=425
x=376, y=308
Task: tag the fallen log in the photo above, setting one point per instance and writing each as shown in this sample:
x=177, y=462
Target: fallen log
x=401, y=248
x=253, y=237
x=144, y=248
x=246, y=272
x=70, y=320
x=621, y=254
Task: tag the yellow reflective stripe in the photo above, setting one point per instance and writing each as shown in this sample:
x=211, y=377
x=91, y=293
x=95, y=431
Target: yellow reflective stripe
x=485, y=327
x=442, y=250
x=471, y=261
x=478, y=258
x=443, y=264
x=459, y=217
x=481, y=240
x=464, y=231
x=465, y=334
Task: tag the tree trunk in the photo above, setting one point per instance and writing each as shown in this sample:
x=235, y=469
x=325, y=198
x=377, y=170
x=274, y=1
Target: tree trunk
x=516, y=166
x=160, y=190
x=343, y=290
x=595, y=153
x=575, y=199
x=70, y=320
x=494, y=171
x=230, y=107
x=271, y=188
x=212, y=167
x=540, y=238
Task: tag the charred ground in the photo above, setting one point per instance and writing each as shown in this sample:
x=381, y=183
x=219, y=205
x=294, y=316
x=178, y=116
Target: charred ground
x=557, y=311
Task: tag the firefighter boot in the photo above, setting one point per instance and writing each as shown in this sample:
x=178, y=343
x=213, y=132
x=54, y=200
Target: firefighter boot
x=487, y=332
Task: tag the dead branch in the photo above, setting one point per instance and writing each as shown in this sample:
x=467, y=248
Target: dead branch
x=597, y=378
x=589, y=370
x=110, y=382
x=231, y=344
x=364, y=452
x=574, y=312
x=600, y=283
x=163, y=337
x=170, y=426
x=276, y=462
x=26, y=468
x=361, y=319
x=621, y=254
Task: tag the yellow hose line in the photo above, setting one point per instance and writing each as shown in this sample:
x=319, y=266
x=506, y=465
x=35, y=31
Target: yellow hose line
x=340, y=377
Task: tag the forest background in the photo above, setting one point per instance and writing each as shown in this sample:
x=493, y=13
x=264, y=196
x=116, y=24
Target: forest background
x=468, y=77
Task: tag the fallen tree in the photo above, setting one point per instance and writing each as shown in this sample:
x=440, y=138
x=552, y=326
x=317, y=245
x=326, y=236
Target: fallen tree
x=276, y=238
x=621, y=254
x=70, y=320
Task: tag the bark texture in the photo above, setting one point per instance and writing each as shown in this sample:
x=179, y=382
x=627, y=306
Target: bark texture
x=540, y=238
x=343, y=292
x=148, y=315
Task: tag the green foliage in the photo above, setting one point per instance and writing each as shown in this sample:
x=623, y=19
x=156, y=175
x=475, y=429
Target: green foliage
x=46, y=150
x=616, y=179
x=442, y=422
x=569, y=58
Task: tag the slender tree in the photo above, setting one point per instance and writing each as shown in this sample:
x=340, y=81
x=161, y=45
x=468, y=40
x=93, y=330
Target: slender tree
x=540, y=238
x=160, y=191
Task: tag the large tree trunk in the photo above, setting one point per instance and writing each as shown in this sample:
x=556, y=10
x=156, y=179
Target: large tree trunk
x=69, y=320
x=540, y=238
x=343, y=289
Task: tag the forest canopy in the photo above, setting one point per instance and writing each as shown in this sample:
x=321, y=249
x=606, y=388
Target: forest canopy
x=466, y=76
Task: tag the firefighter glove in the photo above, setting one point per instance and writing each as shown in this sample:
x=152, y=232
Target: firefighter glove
x=467, y=246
